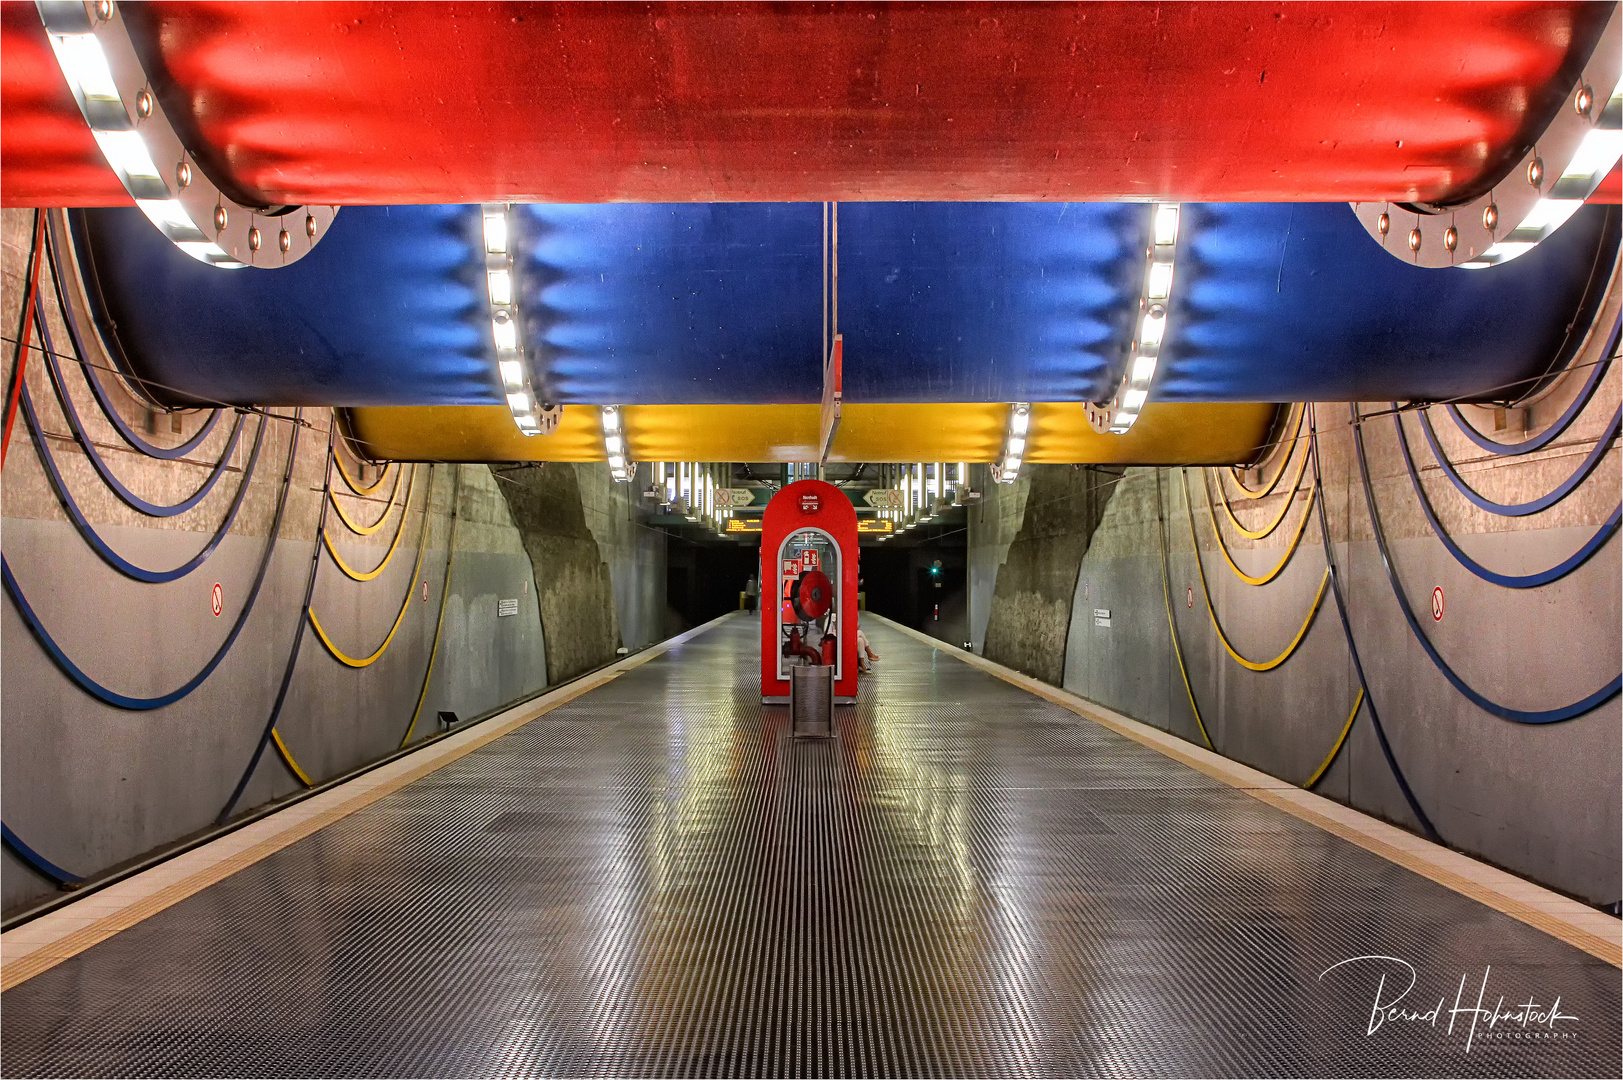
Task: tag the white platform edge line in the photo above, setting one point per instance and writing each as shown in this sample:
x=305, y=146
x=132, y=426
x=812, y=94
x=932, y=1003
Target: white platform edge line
x=112, y=903
x=1489, y=881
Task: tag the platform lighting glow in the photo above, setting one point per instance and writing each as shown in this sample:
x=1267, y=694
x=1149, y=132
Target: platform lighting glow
x=1550, y=214
x=1596, y=155
x=1134, y=391
x=500, y=285
x=1166, y=224
x=1007, y=470
x=85, y=65
x=512, y=373
x=614, y=444
x=505, y=332
x=1153, y=326
x=1160, y=284
x=128, y=155
x=496, y=231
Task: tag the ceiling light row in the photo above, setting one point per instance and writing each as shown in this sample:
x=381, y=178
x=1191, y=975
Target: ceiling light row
x=528, y=413
x=1149, y=337
x=1007, y=468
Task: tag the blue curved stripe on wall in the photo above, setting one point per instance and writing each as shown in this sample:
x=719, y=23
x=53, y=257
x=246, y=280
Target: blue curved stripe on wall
x=699, y=303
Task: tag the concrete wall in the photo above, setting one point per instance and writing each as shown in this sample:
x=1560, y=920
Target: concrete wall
x=1030, y=611
x=601, y=569
x=91, y=786
x=994, y=521
x=1542, y=801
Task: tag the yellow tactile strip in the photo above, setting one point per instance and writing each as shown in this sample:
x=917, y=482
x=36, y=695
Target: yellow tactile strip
x=1577, y=924
x=42, y=943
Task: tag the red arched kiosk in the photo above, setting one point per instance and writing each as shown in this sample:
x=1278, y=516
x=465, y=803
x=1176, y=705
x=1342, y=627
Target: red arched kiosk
x=808, y=588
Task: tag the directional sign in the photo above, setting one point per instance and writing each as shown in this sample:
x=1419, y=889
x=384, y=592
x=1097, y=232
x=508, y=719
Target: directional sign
x=885, y=498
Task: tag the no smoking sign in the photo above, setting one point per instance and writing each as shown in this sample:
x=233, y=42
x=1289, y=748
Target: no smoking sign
x=1437, y=604
x=216, y=598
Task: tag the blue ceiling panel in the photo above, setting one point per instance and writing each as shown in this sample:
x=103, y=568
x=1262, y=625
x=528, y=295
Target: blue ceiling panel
x=388, y=309
x=1296, y=303
x=722, y=303
x=674, y=303
x=988, y=301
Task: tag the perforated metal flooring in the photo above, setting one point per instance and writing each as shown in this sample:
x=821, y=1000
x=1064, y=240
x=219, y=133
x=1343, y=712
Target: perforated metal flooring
x=654, y=880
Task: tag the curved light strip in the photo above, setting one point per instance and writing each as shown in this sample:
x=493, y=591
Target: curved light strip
x=1150, y=335
x=1547, y=186
x=1600, y=149
x=99, y=61
x=614, y=443
x=1007, y=468
x=528, y=414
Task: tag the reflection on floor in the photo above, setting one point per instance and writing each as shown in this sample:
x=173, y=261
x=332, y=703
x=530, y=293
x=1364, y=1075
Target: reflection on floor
x=653, y=879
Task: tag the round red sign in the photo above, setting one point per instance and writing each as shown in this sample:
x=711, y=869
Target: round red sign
x=1437, y=604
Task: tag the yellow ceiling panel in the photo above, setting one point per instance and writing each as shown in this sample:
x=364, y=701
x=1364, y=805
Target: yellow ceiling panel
x=721, y=432
x=1166, y=434
x=920, y=432
x=472, y=433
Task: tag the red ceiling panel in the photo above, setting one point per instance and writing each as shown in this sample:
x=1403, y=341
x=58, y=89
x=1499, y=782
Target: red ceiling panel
x=455, y=102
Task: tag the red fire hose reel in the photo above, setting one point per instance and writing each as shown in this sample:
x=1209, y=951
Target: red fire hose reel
x=812, y=595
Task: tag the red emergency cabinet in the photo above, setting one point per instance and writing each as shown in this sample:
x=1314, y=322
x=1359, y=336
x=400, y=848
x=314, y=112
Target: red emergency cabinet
x=808, y=588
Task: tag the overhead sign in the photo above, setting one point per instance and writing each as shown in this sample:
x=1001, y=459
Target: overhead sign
x=885, y=498
x=874, y=525
x=735, y=497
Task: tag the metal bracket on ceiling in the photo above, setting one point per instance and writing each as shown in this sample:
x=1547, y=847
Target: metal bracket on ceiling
x=98, y=58
x=1562, y=168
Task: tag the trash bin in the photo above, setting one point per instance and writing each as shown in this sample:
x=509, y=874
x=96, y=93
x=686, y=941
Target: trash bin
x=811, y=700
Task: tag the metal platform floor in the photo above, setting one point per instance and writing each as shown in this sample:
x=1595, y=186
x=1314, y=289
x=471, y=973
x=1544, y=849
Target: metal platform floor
x=968, y=881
